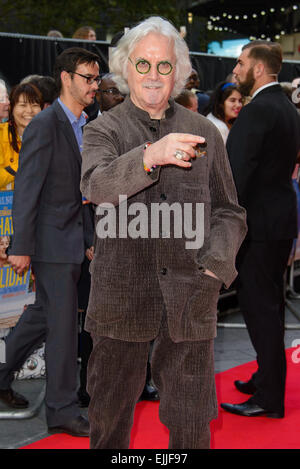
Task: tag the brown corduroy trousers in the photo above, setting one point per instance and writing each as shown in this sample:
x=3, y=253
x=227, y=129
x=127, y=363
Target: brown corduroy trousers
x=183, y=374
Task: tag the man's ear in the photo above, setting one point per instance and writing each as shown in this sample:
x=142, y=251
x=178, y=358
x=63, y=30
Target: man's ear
x=259, y=69
x=65, y=78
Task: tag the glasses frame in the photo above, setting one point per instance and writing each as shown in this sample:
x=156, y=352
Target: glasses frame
x=89, y=80
x=150, y=65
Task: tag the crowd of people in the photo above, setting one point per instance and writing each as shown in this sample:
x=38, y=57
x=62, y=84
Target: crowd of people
x=83, y=32
x=75, y=144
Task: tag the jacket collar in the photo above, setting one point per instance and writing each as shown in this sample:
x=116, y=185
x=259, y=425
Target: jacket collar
x=142, y=115
x=68, y=129
x=269, y=89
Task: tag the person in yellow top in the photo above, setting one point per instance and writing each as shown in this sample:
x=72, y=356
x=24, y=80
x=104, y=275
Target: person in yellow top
x=25, y=102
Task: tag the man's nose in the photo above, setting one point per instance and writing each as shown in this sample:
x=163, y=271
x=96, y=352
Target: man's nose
x=29, y=108
x=153, y=72
x=95, y=86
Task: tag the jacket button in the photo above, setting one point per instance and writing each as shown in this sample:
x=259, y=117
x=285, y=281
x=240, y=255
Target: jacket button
x=163, y=196
x=163, y=271
x=11, y=160
x=153, y=129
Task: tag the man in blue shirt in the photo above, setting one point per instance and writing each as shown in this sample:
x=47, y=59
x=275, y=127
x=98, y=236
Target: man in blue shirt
x=48, y=232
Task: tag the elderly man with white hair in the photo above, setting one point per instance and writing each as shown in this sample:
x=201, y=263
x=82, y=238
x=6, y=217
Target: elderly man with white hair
x=4, y=102
x=168, y=229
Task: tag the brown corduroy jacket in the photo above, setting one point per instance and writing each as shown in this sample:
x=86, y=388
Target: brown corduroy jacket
x=138, y=273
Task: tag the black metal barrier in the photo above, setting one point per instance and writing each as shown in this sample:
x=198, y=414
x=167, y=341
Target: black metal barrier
x=292, y=272
x=23, y=55
x=290, y=295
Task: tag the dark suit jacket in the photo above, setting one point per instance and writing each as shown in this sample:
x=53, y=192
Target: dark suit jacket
x=47, y=206
x=262, y=147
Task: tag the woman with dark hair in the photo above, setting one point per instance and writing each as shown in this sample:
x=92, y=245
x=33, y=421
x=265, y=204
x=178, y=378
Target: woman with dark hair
x=224, y=107
x=25, y=102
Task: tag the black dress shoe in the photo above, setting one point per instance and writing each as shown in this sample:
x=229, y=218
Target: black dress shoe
x=246, y=387
x=79, y=426
x=149, y=393
x=250, y=409
x=13, y=399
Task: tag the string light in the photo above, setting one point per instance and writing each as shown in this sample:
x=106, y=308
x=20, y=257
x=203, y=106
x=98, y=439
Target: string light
x=190, y=18
x=255, y=15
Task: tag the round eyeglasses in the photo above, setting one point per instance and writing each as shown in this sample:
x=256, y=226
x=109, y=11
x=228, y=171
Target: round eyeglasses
x=143, y=66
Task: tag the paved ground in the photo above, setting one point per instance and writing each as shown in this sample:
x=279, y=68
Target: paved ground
x=232, y=348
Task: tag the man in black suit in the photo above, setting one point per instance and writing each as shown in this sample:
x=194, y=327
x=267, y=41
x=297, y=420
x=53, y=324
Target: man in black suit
x=263, y=145
x=48, y=231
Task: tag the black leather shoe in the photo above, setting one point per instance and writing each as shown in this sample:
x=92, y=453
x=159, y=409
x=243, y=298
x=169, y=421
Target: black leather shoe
x=149, y=393
x=79, y=426
x=246, y=387
x=13, y=399
x=250, y=409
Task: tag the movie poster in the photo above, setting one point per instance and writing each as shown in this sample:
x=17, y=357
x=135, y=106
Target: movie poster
x=16, y=291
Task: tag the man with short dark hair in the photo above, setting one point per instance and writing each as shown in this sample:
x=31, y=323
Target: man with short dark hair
x=47, y=87
x=263, y=145
x=188, y=99
x=48, y=231
x=108, y=95
x=193, y=84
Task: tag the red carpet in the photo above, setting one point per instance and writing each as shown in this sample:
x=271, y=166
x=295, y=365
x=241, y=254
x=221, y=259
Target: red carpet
x=228, y=431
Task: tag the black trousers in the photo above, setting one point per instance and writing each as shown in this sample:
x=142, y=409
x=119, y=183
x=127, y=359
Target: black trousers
x=52, y=319
x=85, y=341
x=261, y=295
